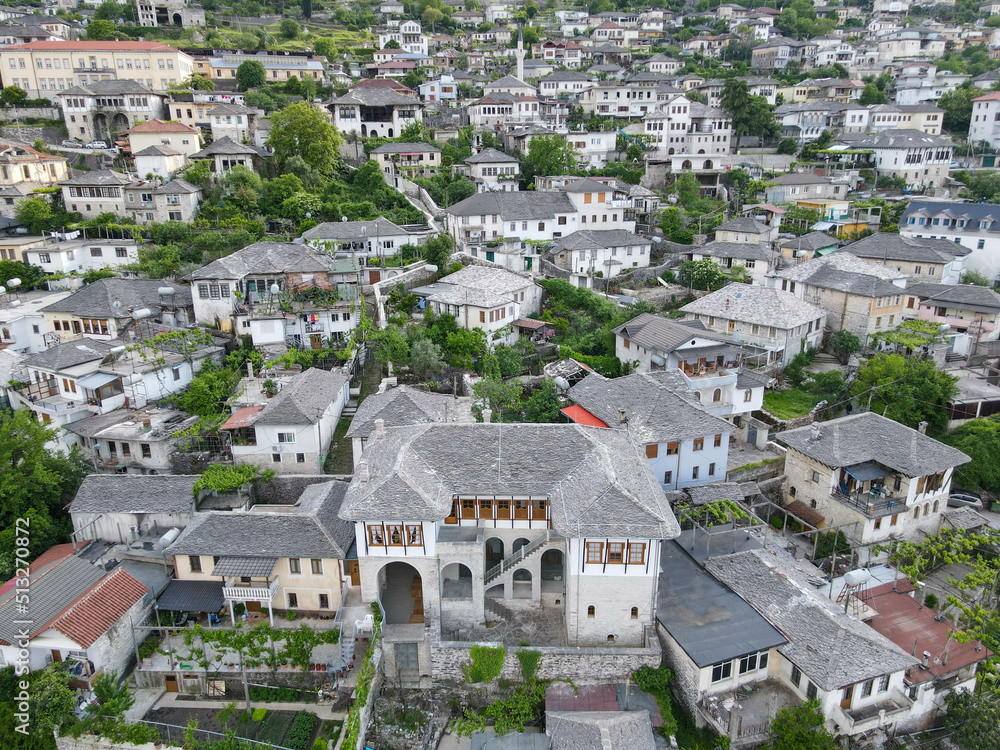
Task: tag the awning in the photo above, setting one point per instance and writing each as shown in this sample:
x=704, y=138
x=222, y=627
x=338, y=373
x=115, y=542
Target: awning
x=97, y=379
x=867, y=471
x=806, y=514
x=243, y=417
x=530, y=323
x=822, y=226
x=191, y=596
x=247, y=567
x=581, y=416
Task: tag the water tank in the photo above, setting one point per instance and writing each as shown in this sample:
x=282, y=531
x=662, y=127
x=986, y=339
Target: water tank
x=13, y=283
x=3, y=290
x=166, y=291
x=142, y=312
x=135, y=377
x=14, y=303
x=854, y=577
x=169, y=537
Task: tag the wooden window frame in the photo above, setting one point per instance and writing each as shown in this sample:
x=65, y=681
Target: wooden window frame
x=620, y=553
x=294, y=566
x=632, y=546
x=699, y=444
x=673, y=448
x=522, y=510
x=315, y=566
x=376, y=534
x=594, y=553
x=194, y=563
x=652, y=450
x=414, y=535
x=398, y=527
x=717, y=442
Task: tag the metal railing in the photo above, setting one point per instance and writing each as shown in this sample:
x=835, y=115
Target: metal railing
x=516, y=558
x=867, y=504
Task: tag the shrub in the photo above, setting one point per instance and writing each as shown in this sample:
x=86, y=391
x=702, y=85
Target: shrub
x=486, y=665
x=931, y=601
x=148, y=647
x=291, y=614
x=778, y=523
x=258, y=714
x=529, y=660
x=299, y=734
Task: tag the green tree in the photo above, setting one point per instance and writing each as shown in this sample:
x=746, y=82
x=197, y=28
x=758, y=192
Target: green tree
x=52, y=699
x=113, y=11
x=788, y=146
x=973, y=719
x=159, y=261
x=113, y=700
x=700, y=274
x=872, y=95
x=801, y=728
x=977, y=278
x=547, y=155
x=32, y=277
x=543, y=405
x=392, y=44
x=36, y=215
x=391, y=346
x=432, y=17
x=907, y=390
x=301, y=130
x=289, y=29
x=979, y=439
x=844, y=344
x=426, y=361
x=101, y=31
x=502, y=396
x=820, y=144
x=250, y=75
x=307, y=8
x=751, y=114
x=507, y=361
x=957, y=106
x=13, y=96
x=197, y=82
x=438, y=251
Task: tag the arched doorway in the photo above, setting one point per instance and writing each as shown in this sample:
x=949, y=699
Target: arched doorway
x=686, y=164
x=364, y=131
x=521, y=583
x=101, y=127
x=402, y=594
x=390, y=132
x=456, y=582
x=552, y=565
x=708, y=164
x=177, y=19
x=119, y=123
x=518, y=543
x=670, y=152
x=494, y=552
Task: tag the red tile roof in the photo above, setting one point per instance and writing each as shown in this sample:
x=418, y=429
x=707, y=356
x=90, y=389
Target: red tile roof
x=242, y=417
x=91, y=615
x=84, y=46
x=915, y=629
x=161, y=126
x=993, y=96
x=581, y=416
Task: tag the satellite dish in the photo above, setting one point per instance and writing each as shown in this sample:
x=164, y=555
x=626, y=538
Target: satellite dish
x=561, y=383
x=343, y=218
x=275, y=289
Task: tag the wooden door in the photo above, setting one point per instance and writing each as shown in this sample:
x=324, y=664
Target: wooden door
x=170, y=683
x=521, y=510
x=56, y=656
x=316, y=340
x=253, y=606
x=374, y=277
x=537, y=510
x=354, y=572
x=845, y=703
x=503, y=509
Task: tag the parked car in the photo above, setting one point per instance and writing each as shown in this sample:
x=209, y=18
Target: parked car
x=965, y=499
x=72, y=144
x=96, y=144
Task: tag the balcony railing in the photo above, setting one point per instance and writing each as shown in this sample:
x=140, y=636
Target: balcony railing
x=873, y=505
x=240, y=592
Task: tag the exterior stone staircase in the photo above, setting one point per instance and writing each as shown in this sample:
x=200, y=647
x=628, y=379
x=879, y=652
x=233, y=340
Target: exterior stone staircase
x=516, y=558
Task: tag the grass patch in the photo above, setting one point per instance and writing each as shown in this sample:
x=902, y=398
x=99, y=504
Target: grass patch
x=273, y=727
x=340, y=460
x=790, y=403
x=330, y=730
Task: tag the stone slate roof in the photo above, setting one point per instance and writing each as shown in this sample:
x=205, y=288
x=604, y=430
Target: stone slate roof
x=963, y=296
x=226, y=146
x=490, y=156
x=887, y=246
x=973, y=213
x=176, y=186
x=596, y=480
x=488, y=279
x=70, y=354
x=110, y=88
x=100, y=177
x=404, y=405
x=510, y=81
x=157, y=151
x=600, y=730
x=521, y=205
x=833, y=649
x=303, y=399
x=312, y=530
x=565, y=75
x=264, y=258
x=743, y=224
x=656, y=412
x=351, y=231
x=134, y=493
x=903, y=138
x=736, y=250
x=598, y=239
x=406, y=148
x=662, y=334
x=813, y=241
x=456, y=294
x=585, y=185
x=96, y=300
x=871, y=437
x=748, y=303
x=799, y=178
x=847, y=273
x=376, y=97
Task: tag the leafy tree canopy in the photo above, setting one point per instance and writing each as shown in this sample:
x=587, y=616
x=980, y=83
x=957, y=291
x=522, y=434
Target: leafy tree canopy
x=301, y=130
x=250, y=75
x=906, y=389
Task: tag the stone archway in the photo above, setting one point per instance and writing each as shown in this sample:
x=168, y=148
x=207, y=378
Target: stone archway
x=456, y=581
x=518, y=543
x=494, y=551
x=102, y=128
x=119, y=123
x=177, y=20
x=708, y=164
x=686, y=164
x=402, y=594
x=553, y=562
x=521, y=583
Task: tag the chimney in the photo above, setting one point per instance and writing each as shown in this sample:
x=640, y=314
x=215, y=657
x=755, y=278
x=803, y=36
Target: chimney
x=363, y=470
x=814, y=433
x=922, y=428
x=927, y=660
x=146, y=425
x=487, y=415
x=622, y=419
x=379, y=428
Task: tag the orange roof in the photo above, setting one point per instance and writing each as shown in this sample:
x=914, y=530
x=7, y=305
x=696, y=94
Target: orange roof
x=162, y=126
x=993, y=96
x=581, y=416
x=84, y=46
x=91, y=615
x=243, y=417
